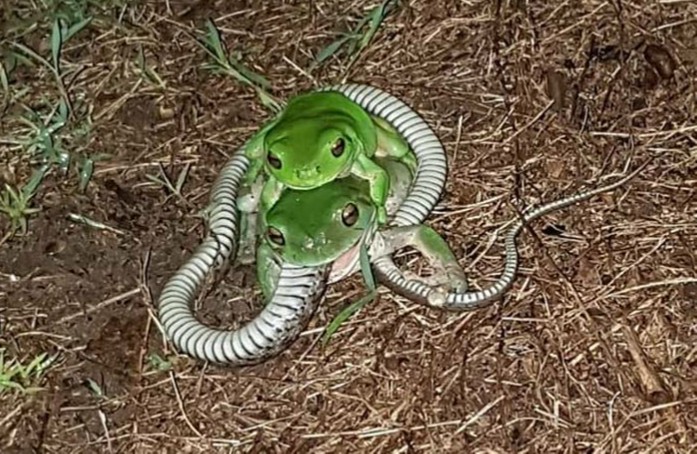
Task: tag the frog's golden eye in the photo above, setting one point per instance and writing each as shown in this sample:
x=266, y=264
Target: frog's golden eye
x=350, y=214
x=338, y=147
x=275, y=236
x=274, y=161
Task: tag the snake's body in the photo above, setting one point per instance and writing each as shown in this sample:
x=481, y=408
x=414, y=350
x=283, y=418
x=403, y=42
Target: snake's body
x=299, y=289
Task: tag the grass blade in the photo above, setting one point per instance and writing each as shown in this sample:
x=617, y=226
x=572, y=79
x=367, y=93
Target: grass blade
x=345, y=314
x=223, y=63
x=85, y=173
x=214, y=40
x=56, y=44
x=37, y=177
x=182, y=178
x=5, y=83
x=35, y=364
x=376, y=17
x=359, y=37
x=331, y=49
x=269, y=101
x=366, y=269
x=75, y=29
x=252, y=77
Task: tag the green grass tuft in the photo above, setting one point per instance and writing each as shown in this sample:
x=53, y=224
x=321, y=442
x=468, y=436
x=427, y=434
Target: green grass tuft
x=49, y=134
x=158, y=363
x=15, y=203
x=223, y=63
x=15, y=376
x=354, y=42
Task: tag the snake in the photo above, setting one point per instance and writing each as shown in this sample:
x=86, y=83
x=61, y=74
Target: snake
x=299, y=289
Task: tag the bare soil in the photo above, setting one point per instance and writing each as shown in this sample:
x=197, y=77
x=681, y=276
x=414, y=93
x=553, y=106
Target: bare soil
x=592, y=351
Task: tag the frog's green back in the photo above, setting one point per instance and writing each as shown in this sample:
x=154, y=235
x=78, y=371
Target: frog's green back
x=323, y=106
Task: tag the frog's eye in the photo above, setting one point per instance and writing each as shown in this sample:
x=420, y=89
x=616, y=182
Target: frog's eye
x=338, y=147
x=275, y=236
x=273, y=160
x=349, y=216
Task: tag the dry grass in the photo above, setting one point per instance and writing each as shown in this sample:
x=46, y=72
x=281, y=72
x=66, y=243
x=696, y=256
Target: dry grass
x=592, y=351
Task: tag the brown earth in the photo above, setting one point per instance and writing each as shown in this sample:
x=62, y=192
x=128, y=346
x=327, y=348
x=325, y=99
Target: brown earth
x=592, y=351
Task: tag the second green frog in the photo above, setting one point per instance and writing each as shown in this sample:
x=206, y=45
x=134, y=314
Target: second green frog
x=329, y=224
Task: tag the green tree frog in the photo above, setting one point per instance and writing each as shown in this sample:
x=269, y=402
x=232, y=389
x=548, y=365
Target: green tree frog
x=327, y=224
x=322, y=136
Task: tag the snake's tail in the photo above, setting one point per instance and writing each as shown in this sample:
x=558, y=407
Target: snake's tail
x=392, y=277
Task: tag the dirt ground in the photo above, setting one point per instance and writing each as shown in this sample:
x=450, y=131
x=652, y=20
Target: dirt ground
x=593, y=350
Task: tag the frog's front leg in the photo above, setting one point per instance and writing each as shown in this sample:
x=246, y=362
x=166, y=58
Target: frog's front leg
x=447, y=272
x=248, y=202
x=270, y=194
x=268, y=270
x=379, y=181
x=247, y=238
x=392, y=144
x=256, y=167
x=254, y=151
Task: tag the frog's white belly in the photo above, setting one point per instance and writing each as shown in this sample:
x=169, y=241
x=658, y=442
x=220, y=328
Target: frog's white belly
x=350, y=261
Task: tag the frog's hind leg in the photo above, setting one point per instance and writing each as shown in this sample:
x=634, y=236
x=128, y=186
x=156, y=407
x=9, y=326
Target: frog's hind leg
x=255, y=151
x=270, y=193
x=379, y=181
x=391, y=144
x=448, y=275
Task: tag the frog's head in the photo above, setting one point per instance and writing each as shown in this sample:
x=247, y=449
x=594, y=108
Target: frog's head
x=309, y=152
x=319, y=226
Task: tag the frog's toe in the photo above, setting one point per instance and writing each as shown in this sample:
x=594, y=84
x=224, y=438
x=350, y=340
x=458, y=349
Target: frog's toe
x=246, y=256
x=457, y=281
x=437, y=296
x=382, y=215
x=449, y=280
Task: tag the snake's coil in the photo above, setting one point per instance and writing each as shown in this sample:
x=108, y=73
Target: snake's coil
x=299, y=289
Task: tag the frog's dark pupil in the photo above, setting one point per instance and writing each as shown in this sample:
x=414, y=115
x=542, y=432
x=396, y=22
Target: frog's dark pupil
x=338, y=147
x=275, y=236
x=350, y=215
x=273, y=161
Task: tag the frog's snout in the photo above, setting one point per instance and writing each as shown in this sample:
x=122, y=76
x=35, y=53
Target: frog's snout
x=307, y=173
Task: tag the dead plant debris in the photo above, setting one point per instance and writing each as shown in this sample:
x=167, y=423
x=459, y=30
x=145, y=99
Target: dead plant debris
x=593, y=350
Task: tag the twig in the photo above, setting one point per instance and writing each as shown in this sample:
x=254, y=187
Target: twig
x=653, y=386
x=181, y=406
x=479, y=414
x=99, y=306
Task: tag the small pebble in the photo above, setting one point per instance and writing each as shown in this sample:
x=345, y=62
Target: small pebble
x=166, y=113
x=54, y=247
x=661, y=60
